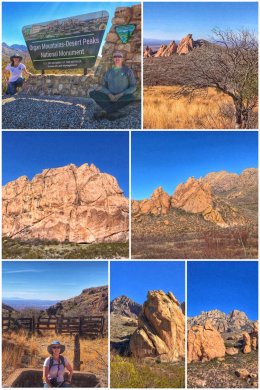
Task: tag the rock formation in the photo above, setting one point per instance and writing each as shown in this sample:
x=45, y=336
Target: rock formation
x=148, y=52
x=167, y=51
x=161, y=329
x=75, y=204
x=161, y=50
x=216, y=197
x=185, y=45
x=158, y=204
x=204, y=343
x=124, y=306
x=254, y=336
x=232, y=322
x=246, y=343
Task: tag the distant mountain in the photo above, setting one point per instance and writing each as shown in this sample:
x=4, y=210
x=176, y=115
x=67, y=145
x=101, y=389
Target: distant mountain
x=20, y=304
x=92, y=301
x=124, y=306
x=7, y=308
x=8, y=51
x=232, y=322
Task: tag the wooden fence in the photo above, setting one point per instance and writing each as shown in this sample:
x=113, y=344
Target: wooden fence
x=89, y=326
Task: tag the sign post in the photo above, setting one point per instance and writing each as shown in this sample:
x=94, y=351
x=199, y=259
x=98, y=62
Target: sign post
x=68, y=43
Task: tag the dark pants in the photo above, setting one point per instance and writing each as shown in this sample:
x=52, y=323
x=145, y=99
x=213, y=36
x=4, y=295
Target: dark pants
x=13, y=85
x=103, y=101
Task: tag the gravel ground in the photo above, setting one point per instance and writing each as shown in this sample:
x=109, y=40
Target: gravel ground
x=60, y=112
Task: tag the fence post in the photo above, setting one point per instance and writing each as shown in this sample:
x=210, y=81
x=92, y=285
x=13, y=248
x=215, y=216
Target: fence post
x=76, y=358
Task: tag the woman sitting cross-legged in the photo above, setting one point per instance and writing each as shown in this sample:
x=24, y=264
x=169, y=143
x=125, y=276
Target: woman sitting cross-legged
x=15, y=69
x=54, y=367
x=118, y=87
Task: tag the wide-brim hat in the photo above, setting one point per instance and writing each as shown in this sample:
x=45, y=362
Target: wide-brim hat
x=55, y=343
x=118, y=53
x=16, y=56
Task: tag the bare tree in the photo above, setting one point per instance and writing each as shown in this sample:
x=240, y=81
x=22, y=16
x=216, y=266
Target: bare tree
x=230, y=64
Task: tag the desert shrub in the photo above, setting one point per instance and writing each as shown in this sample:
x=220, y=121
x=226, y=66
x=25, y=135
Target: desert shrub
x=131, y=373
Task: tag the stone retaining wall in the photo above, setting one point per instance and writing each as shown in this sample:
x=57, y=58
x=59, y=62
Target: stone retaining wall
x=79, y=85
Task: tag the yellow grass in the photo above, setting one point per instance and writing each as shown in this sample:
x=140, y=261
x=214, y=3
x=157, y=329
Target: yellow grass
x=209, y=110
x=93, y=352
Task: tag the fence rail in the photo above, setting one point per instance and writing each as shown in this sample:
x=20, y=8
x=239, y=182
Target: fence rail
x=90, y=326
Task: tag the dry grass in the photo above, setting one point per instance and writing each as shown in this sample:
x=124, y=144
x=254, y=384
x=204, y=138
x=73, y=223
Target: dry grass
x=22, y=350
x=209, y=110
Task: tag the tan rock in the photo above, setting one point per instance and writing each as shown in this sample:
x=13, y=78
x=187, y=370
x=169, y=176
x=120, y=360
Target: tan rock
x=171, y=49
x=231, y=351
x=254, y=336
x=186, y=45
x=242, y=373
x=161, y=50
x=161, y=329
x=78, y=204
x=148, y=52
x=158, y=204
x=246, y=342
x=204, y=343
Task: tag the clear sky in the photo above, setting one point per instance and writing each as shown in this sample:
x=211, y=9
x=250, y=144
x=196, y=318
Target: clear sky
x=174, y=20
x=223, y=285
x=54, y=280
x=135, y=278
x=167, y=159
x=28, y=153
x=16, y=15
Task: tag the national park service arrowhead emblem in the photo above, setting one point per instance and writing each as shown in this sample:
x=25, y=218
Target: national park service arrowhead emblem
x=125, y=32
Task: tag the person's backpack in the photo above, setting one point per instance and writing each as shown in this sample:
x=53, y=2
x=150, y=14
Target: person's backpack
x=61, y=361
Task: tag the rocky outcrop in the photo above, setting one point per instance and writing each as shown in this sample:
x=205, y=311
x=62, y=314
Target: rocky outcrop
x=204, y=343
x=167, y=51
x=246, y=343
x=125, y=306
x=186, y=45
x=254, y=336
x=232, y=322
x=216, y=197
x=158, y=204
x=75, y=204
x=161, y=329
x=161, y=50
x=148, y=52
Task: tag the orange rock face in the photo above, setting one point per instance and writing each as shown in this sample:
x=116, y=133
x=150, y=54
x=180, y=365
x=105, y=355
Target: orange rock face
x=77, y=204
x=158, y=204
x=161, y=51
x=186, y=45
x=148, y=52
x=161, y=329
x=204, y=343
x=171, y=49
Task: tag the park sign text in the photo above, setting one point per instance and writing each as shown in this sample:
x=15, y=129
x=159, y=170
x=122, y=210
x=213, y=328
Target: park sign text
x=66, y=43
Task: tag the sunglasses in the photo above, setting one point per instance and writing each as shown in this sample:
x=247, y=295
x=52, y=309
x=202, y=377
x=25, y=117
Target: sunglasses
x=55, y=347
x=118, y=57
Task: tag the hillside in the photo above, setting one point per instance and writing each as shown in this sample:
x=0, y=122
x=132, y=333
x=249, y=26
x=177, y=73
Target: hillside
x=125, y=306
x=92, y=301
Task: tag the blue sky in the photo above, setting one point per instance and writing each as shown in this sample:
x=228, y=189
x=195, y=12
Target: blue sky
x=54, y=280
x=135, y=278
x=223, y=285
x=16, y=15
x=28, y=153
x=175, y=20
x=167, y=159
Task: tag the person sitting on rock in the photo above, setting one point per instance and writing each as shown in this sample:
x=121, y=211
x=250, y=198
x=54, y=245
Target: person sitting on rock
x=54, y=367
x=118, y=87
x=15, y=70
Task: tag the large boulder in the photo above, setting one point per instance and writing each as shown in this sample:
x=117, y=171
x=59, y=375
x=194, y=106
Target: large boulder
x=171, y=49
x=75, y=204
x=161, y=329
x=204, y=343
x=254, y=336
x=161, y=50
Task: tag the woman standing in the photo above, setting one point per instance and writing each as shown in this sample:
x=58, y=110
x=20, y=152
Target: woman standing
x=15, y=70
x=54, y=367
